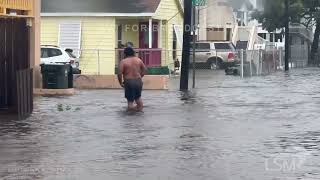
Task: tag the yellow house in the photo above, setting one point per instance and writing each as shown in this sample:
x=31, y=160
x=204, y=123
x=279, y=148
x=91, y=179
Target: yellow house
x=97, y=30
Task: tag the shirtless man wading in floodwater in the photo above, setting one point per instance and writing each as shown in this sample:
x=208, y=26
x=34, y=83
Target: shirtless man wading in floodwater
x=131, y=72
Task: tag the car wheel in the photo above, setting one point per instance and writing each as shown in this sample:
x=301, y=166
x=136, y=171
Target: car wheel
x=214, y=65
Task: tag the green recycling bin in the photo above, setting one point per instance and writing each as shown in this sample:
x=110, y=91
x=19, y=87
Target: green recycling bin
x=56, y=76
x=158, y=70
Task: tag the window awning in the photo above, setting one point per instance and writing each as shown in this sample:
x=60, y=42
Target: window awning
x=179, y=33
x=70, y=36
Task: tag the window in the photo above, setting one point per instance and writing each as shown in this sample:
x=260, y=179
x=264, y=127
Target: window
x=203, y=46
x=279, y=37
x=54, y=52
x=120, y=36
x=44, y=53
x=263, y=35
x=174, y=45
x=222, y=46
x=228, y=34
x=271, y=37
x=275, y=36
x=70, y=54
x=215, y=29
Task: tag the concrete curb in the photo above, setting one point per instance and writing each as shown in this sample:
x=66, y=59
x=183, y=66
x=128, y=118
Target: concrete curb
x=151, y=82
x=54, y=92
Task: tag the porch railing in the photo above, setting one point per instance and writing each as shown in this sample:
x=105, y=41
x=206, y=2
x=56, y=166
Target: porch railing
x=7, y=6
x=150, y=57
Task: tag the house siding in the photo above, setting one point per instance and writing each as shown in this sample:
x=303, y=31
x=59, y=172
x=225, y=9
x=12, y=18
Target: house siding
x=49, y=31
x=171, y=14
x=97, y=33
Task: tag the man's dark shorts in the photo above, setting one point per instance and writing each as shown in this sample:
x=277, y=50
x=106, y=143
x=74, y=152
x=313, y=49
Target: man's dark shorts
x=133, y=89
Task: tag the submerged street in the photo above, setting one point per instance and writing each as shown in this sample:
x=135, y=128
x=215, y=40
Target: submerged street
x=228, y=128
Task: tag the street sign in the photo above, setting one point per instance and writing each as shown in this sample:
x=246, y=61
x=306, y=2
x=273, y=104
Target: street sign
x=199, y=2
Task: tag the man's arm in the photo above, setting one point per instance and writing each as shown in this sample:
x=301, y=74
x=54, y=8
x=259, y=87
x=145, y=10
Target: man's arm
x=120, y=74
x=143, y=69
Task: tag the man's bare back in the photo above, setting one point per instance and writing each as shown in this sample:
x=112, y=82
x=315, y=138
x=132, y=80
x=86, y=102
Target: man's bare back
x=132, y=68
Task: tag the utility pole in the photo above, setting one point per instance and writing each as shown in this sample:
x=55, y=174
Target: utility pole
x=184, y=79
x=287, y=29
x=194, y=47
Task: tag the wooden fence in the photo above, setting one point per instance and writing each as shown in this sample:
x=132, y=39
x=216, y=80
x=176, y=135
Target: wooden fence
x=24, y=92
x=15, y=72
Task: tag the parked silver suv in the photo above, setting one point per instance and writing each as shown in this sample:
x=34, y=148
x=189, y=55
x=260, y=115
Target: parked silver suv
x=215, y=54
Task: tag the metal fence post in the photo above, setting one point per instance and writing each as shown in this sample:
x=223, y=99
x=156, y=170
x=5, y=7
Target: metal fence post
x=259, y=59
x=251, y=63
x=280, y=58
x=216, y=57
x=274, y=58
x=261, y=62
x=242, y=63
x=98, y=61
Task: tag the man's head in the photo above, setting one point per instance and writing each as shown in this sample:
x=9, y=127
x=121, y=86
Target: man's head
x=129, y=52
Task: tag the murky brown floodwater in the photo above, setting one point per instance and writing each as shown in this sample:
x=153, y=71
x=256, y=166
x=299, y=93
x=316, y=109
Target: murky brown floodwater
x=263, y=128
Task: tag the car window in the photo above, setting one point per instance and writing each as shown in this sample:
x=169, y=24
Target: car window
x=44, y=53
x=232, y=46
x=223, y=46
x=54, y=52
x=71, y=55
x=203, y=46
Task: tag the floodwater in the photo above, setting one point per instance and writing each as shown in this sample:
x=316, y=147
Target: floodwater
x=260, y=128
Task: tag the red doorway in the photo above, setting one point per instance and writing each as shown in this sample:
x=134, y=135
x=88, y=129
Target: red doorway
x=144, y=35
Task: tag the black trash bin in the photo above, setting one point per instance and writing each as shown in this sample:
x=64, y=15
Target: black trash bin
x=55, y=76
x=70, y=77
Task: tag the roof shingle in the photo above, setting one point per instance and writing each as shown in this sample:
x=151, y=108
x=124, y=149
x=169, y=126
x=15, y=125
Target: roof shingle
x=99, y=6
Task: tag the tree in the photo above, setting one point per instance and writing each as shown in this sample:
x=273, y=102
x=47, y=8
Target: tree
x=304, y=12
x=310, y=18
x=274, y=17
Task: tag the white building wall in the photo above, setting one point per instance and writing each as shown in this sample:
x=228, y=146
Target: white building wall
x=216, y=14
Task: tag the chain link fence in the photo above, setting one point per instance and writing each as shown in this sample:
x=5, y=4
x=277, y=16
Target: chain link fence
x=243, y=63
x=106, y=61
